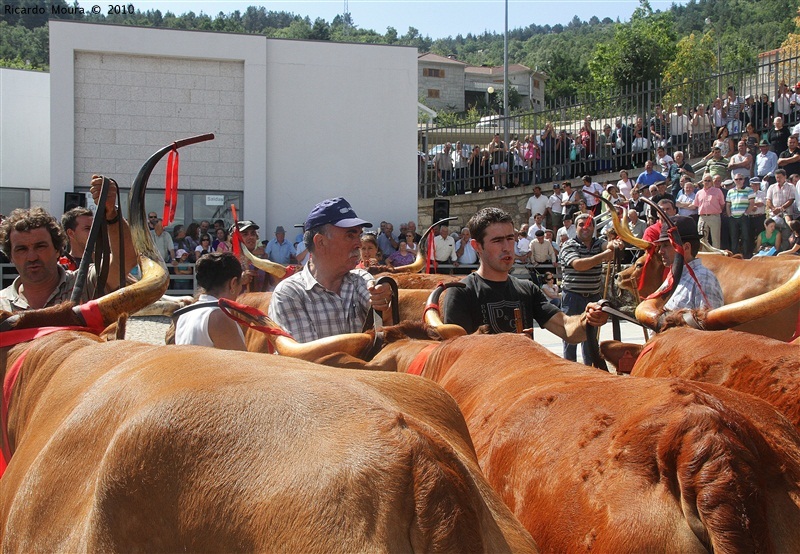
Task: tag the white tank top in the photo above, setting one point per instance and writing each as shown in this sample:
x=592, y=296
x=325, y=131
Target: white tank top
x=192, y=327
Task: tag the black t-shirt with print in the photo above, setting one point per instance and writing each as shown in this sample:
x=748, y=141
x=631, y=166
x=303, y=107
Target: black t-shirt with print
x=492, y=303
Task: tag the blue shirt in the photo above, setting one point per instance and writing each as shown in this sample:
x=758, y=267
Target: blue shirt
x=280, y=253
x=651, y=178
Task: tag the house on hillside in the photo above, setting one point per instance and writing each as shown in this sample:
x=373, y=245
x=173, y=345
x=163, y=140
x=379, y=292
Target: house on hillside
x=448, y=84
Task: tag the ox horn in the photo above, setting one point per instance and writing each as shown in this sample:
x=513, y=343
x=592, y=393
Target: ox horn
x=620, y=227
x=760, y=306
x=434, y=318
x=274, y=269
x=711, y=250
x=354, y=344
x=155, y=279
x=419, y=262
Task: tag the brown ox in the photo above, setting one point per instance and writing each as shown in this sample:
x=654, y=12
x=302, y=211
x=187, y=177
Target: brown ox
x=589, y=461
x=763, y=367
x=124, y=446
x=739, y=279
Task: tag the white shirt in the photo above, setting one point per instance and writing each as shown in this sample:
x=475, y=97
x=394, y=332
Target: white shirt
x=445, y=249
x=469, y=256
x=570, y=233
x=536, y=206
x=192, y=327
x=596, y=188
x=554, y=203
x=625, y=188
x=532, y=228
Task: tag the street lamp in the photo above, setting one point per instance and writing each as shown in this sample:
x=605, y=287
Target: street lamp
x=719, y=57
x=489, y=92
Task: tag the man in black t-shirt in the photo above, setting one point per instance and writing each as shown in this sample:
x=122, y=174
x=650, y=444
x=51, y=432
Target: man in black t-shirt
x=789, y=159
x=491, y=294
x=778, y=136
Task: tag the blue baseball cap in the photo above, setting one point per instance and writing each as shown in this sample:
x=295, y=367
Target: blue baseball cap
x=336, y=211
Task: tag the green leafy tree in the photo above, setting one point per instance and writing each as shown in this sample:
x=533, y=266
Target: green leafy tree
x=686, y=75
x=638, y=52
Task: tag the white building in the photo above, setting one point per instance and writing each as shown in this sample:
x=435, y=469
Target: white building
x=295, y=122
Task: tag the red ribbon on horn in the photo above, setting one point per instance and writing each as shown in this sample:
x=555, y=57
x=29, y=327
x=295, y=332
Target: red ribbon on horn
x=171, y=186
x=431, y=257
x=237, y=236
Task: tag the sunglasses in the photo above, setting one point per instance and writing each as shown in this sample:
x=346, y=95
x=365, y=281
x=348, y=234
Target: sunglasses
x=152, y=217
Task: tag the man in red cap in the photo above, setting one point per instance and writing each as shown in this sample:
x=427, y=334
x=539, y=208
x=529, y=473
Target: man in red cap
x=329, y=297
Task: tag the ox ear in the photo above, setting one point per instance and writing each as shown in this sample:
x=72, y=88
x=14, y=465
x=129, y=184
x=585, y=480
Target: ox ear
x=115, y=331
x=620, y=354
x=342, y=360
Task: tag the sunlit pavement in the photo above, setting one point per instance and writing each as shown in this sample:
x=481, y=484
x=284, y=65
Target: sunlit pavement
x=629, y=333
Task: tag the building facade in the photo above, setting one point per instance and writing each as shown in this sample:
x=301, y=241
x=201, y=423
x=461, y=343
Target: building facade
x=295, y=121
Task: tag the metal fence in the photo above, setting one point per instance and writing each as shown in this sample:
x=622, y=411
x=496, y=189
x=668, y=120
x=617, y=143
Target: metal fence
x=763, y=91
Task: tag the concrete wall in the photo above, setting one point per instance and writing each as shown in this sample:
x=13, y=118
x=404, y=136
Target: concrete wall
x=450, y=87
x=296, y=121
x=25, y=134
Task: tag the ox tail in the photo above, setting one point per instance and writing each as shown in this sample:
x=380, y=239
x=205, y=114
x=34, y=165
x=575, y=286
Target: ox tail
x=449, y=511
x=737, y=486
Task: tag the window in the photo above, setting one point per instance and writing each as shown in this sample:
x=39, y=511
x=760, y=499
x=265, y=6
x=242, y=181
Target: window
x=11, y=199
x=192, y=205
x=433, y=93
x=430, y=72
x=536, y=83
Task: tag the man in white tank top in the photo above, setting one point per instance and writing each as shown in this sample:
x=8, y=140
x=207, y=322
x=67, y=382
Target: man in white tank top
x=219, y=275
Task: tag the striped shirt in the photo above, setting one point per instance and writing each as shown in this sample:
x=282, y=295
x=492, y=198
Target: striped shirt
x=309, y=311
x=581, y=282
x=739, y=199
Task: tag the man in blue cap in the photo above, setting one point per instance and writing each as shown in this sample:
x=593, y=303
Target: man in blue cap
x=329, y=297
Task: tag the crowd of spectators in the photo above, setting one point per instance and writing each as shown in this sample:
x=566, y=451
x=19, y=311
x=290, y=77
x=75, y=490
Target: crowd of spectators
x=555, y=155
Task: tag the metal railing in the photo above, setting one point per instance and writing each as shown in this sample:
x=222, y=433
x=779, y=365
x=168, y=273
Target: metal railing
x=559, y=127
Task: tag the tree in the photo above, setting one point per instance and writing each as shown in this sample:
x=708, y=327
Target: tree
x=637, y=53
x=687, y=74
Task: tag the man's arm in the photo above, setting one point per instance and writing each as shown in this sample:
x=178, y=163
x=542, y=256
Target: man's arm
x=585, y=264
x=117, y=226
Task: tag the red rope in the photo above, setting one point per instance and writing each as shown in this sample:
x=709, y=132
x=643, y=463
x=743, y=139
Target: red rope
x=256, y=319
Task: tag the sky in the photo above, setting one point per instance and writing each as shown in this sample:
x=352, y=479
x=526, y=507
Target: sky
x=433, y=18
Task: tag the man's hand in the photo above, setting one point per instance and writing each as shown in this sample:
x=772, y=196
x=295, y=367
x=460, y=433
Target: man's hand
x=380, y=296
x=594, y=315
x=111, y=197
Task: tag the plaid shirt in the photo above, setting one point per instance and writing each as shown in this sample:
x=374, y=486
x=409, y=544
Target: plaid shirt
x=688, y=296
x=309, y=311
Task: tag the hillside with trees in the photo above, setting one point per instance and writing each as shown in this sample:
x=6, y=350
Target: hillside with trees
x=581, y=57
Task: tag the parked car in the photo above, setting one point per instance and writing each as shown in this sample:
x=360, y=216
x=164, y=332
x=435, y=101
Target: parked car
x=498, y=122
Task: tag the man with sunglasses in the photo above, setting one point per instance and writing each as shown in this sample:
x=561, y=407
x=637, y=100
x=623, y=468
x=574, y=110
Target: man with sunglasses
x=739, y=204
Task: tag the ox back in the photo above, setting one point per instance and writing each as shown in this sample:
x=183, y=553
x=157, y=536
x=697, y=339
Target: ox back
x=124, y=446
x=591, y=461
x=761, y=366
